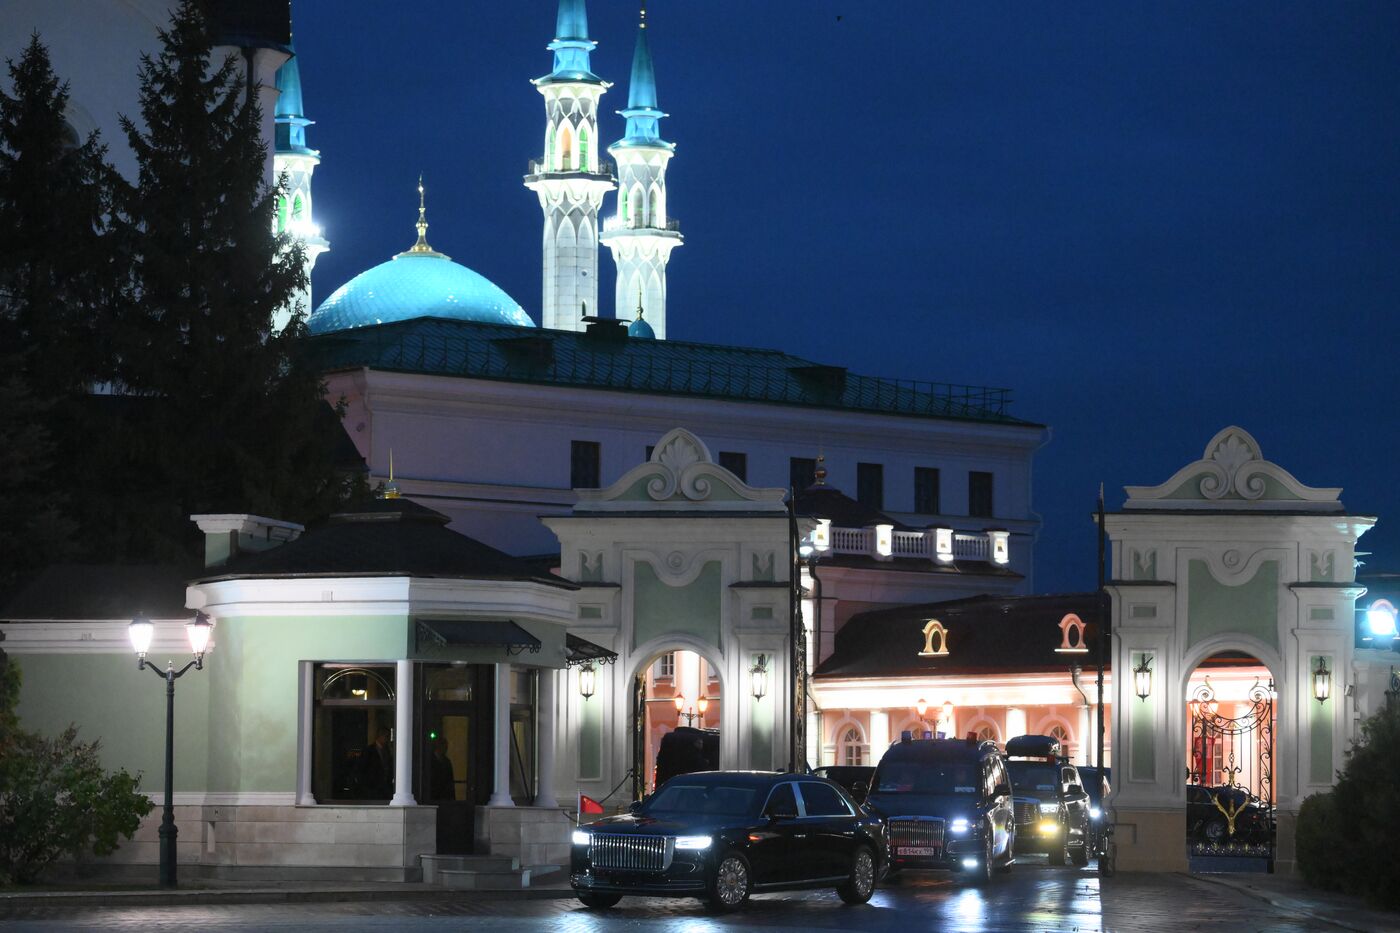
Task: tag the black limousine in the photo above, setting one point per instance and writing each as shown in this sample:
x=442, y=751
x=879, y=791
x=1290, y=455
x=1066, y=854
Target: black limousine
x=722, y=835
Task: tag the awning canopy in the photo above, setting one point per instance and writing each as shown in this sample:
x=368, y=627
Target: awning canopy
x=480, y=634
x=582, y=651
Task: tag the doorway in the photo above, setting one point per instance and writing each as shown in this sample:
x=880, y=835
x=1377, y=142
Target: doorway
x=454, y=756
x=675, y=690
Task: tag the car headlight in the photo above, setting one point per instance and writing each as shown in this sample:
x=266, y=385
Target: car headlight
x=959, y=826
x=693, y=842
x=581, y=838
x=1049, y=808
x=1095, y=813
x=1049, y=827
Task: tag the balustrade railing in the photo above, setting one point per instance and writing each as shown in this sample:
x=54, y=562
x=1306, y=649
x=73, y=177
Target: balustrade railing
x=975, y=546
x=614, y=222
x=538, y=167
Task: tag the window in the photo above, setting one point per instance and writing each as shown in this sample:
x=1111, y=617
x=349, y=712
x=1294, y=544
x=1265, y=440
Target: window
x=653, y=212
x=281, y=214
x=666, y=665
x=298, y=207
x=736, y=463
x=583, y=148
x=823, y=800
x=622, y=204
x=802, y=472
x=781, y=801
x=584, y=464
x=979, y=494
x=987, y=734
x=926, y=491
x=568, y=146
x=352, y=732
x=1060, y=732
x=851, y=751
x=870, y=485
x=637, y=207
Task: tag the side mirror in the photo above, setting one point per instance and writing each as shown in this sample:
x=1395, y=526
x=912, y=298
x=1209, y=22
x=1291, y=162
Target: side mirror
x=635, y=807
x=860, y=790
x=1002, y=790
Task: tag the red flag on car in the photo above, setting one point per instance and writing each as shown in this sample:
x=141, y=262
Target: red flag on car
x=587, y=804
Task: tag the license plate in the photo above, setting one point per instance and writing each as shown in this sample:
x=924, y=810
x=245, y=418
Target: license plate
x=915, y=850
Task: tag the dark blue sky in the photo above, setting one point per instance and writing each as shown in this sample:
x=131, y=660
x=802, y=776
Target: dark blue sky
x=1148, y=220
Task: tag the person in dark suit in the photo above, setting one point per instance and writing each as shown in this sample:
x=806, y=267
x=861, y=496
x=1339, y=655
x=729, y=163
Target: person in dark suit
x=375, y=771
x=442, y=783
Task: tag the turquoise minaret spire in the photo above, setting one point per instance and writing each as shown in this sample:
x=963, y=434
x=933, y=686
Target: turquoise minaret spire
x=295, y=161
x=571, y=45
x=571, y=179
x=642, y=233
x=642, y=113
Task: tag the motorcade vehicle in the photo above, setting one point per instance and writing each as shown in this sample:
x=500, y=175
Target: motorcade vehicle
x=946, y=805
x=685, y=750
x=1208, y=822
x=723, y=835
x=1052, y=807
x=855, y=778
x=1097, y=784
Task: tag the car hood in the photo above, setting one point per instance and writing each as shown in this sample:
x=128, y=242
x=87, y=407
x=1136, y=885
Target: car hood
x=940, y=806
x=641, y=824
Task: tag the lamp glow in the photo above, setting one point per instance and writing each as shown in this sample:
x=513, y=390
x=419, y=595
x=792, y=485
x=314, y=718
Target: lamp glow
x=1142, y=677
x=587, y=680
x=199, y=629
x=969, y=863
x=680, y=703
x=693, y=842
x=1381, y=619
x=921, y=707
x=959, y=826
x=581, y=838
x=1322, y=681
x=702, y=704
x=758, y=677
x=141, y=630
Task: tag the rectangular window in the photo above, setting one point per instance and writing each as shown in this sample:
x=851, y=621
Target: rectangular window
x=870, y=485
x=979, y=494
x=585, y=464
x=352, y=740
x=926, y=491
x=666, y=665
x=802, y=472
x=736, y=463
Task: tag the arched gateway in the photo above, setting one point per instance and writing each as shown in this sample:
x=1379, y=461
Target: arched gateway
x=1232, y=585
x=685, y=575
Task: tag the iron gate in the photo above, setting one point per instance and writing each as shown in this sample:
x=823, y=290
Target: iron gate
x=1230, y=820
x=639, y=734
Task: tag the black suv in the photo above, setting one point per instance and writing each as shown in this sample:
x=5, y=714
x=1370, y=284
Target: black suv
x=1052, y=807
x=946, y=805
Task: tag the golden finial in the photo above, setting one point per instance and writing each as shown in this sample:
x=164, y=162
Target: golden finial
x=421, y=248
x=639, y=293
x=391, y=488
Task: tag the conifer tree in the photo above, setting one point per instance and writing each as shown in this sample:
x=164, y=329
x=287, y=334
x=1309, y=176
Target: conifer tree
x=237, y=421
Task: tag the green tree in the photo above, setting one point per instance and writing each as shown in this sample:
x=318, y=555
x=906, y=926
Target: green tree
x=239, y=420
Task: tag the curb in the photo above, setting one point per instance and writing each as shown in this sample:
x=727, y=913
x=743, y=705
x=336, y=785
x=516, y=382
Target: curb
x=61, y=900
x=1283, y=903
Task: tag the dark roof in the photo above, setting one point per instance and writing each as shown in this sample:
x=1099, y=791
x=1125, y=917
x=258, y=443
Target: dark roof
x=603, y=360
x=385, y=537
x=102, y=591
x=986, y=635
x=582, y=651
x=831, y=503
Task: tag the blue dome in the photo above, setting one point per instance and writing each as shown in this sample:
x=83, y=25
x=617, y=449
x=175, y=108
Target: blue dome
x=641, y=329
x=414, y=285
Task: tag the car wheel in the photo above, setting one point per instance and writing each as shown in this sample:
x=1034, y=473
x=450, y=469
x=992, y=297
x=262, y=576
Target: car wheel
x=599, y=901
x=1079, y=856
x=982, y=874
x=861, y=883
x=1214, y=831
x=730, y=883
x=1057, y=855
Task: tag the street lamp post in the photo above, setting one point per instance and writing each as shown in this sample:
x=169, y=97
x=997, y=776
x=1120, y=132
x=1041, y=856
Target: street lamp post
x=142, y=631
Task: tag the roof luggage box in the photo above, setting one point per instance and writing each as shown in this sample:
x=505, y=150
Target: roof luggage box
x=1034, y=746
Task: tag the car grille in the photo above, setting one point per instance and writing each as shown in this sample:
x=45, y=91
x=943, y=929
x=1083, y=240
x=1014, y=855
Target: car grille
x=907, y=832
x=630, y=853
x=1027, y=813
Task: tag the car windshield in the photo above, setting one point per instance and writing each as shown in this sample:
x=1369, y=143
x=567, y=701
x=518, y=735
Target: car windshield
x=1033, y=776
x=703, y=799
x=927, y=777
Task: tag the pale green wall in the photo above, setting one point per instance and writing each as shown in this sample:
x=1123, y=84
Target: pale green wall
x=1319, y=729
x=590, y=739
x=760, y=732
x=660, y=609
x=1143, y=758
x=1214, y=608
x=254, y=676
x=107, y=698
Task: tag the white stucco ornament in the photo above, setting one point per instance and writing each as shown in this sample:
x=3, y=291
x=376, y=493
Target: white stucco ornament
x=681, y=475
x=1233, y=474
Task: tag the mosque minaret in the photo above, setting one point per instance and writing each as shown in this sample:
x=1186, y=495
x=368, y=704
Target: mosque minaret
x=295, y=162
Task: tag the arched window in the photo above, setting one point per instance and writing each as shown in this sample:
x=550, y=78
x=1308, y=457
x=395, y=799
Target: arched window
x=281, y=214
x=297, y=207
x=638, y=206
x=1059, y=732
x=852, y=750
x=583, y=148
x=653, y=209
x=566, y=143
x=622, y=206
x=549, y=163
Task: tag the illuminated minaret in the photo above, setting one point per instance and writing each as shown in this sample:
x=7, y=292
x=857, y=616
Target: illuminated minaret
x=296, y=161
x=641, y=235
x=570, y=180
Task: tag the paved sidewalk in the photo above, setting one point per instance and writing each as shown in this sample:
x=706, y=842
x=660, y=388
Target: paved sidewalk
x=1290, y=893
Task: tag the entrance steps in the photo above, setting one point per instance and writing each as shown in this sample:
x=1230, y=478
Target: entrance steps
x=475, y=872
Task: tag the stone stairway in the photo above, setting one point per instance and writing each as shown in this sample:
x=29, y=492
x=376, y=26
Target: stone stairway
x=478, y=872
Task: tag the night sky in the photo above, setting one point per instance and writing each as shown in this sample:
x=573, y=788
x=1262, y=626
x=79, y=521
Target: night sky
x=1148, y=220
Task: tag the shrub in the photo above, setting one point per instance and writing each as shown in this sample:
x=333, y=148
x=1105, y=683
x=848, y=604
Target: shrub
x=1322, y=858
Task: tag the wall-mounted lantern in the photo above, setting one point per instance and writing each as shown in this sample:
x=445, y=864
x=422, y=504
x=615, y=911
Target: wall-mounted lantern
x=1322, y=681
x=921, y=707
x=758, y=677
x=948, y=711
x=1142, y=677
x=587, y=680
